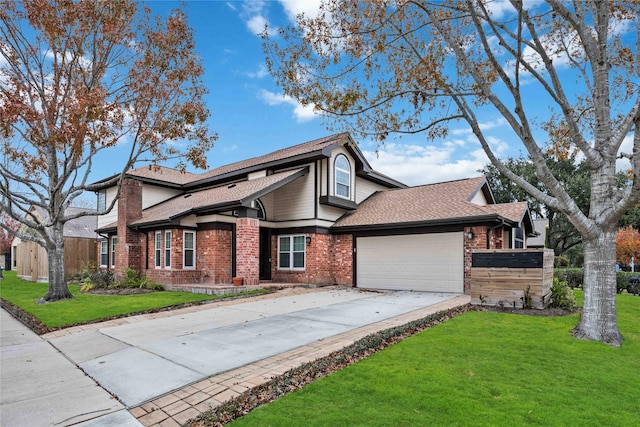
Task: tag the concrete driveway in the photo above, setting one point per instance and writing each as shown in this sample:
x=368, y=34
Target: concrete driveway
x=141, y=358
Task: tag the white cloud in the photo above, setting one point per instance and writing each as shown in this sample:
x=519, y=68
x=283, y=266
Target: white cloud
x=416, y=164
x=293, y=8
x=627, y=148
x=253, y=13
x=300, y=112
x=260, y=73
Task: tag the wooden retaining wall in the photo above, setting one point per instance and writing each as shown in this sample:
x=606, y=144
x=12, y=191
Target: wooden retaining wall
x=501, y=277
x=32, y=262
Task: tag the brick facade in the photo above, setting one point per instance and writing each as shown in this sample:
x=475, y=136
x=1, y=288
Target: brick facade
x=130, y=242
x=328, y=260
x=479, y=241
x=248, y=250
x=213, y=258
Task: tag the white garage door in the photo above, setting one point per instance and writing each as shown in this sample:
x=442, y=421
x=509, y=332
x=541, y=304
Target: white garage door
x=416, y=262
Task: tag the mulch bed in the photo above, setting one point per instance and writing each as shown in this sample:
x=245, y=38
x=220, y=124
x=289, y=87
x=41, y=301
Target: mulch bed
x=549, y=311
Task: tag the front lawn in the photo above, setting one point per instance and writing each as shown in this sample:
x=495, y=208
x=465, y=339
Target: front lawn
x=479, y=369
x=86, y=308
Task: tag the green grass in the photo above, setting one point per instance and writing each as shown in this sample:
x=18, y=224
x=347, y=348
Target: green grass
x=479, y=369
x=86, y=308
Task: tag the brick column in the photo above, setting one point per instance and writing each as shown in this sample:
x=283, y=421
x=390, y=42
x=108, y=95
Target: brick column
x=248, y=250
x=129, y=248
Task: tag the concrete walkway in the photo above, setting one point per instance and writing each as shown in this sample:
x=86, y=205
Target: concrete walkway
x=168, y=367
x=39, y=386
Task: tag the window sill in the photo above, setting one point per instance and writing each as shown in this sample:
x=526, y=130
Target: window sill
x=338, y=202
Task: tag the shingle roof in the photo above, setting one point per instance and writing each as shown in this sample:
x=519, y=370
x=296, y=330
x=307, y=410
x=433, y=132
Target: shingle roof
x=222, y=197
x=174, y=176
x=161, y=173
x=441, y=202
x=83, y=226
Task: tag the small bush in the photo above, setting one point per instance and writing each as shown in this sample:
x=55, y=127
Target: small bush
x=622, y=281
x=85, y=272
x=133, y=279
x=573, y=276
x=100, y=279
x=562, y=295
x=561, y=262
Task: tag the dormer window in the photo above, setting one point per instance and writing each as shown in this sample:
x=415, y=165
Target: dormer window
x=342, y=175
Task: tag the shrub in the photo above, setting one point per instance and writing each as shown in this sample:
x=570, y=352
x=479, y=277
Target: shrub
x=85, y=272
x=562, y=295
x=573, y=276
x=622, y=281
x=561, y=262
x=100, y=279
x=133, y=279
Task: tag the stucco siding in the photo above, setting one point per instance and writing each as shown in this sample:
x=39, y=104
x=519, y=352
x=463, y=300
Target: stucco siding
x=153, y=194
x=295, y=200
x=366, y=188
x=112, y=216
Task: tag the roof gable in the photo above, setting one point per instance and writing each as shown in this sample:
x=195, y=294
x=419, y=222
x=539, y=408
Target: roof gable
x=446, y=202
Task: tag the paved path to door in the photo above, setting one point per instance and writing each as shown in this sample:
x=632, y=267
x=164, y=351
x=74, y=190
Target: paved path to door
x=169, y=367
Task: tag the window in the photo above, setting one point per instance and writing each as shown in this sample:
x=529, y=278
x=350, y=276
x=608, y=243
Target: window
x=189, y=249
x=15, y=257
x=518, y=237
x=291, y=252
x=102, y=200
x=167, y=249
x=104, y=253
x=342, y=174
x=114, y=242
x=158, y=249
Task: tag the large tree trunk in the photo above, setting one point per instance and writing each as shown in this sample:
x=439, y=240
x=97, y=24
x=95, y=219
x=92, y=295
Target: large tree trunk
x=598, y=320
x=58, y=289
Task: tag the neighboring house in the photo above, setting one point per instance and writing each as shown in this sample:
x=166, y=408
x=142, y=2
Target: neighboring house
x=540, y=239
x=30, y=259
x=312, y=213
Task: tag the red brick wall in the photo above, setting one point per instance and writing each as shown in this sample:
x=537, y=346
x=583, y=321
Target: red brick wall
x=213, y=258
x=329, y=260
x=479, y=241
x=213, y=255
x=343, y=259
x=130, y=243
x=248, y=250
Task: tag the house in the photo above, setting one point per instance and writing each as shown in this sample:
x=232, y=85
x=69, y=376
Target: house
x=540, y=239
x=30, y=261
x=316, y=213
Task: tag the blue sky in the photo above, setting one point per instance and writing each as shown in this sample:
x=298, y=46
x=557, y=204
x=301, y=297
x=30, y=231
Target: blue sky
x=252, y=117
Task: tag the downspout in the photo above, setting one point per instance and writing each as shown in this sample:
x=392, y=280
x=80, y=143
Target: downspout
x=233, y=250
x=489, y=230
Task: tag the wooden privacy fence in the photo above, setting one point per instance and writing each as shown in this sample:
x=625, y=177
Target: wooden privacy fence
x=503, y=277
x=32, y=263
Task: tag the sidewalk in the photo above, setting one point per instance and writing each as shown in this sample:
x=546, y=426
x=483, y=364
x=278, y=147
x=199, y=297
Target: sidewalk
x=40, y=387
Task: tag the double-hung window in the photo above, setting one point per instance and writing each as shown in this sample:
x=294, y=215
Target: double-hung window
x=104, y=253
x=102, y=201
x=342, y=177
x=158, y=251
x=114, y=242
x=167, y=249
x=189, y=250
x=291, y=252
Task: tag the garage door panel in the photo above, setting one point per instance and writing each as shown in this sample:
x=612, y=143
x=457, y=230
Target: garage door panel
x=421, y=262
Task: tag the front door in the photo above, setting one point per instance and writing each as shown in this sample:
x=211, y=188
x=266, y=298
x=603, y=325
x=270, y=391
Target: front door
x=265, y=253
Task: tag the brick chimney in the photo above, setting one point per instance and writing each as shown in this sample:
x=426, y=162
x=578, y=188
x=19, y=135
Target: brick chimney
x=129, y=247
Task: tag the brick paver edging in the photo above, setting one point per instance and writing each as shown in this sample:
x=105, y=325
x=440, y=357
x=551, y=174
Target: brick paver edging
x=222, y=398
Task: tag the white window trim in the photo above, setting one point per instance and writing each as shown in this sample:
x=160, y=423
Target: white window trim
x=184, y=250
x=335, y=177
x=114, y=242
x=104, y=250
x=157, y=251
x=167, y=249
x=291, y=252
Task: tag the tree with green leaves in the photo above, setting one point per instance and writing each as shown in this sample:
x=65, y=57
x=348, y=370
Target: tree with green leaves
x=79, y=78
x=418, y=66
